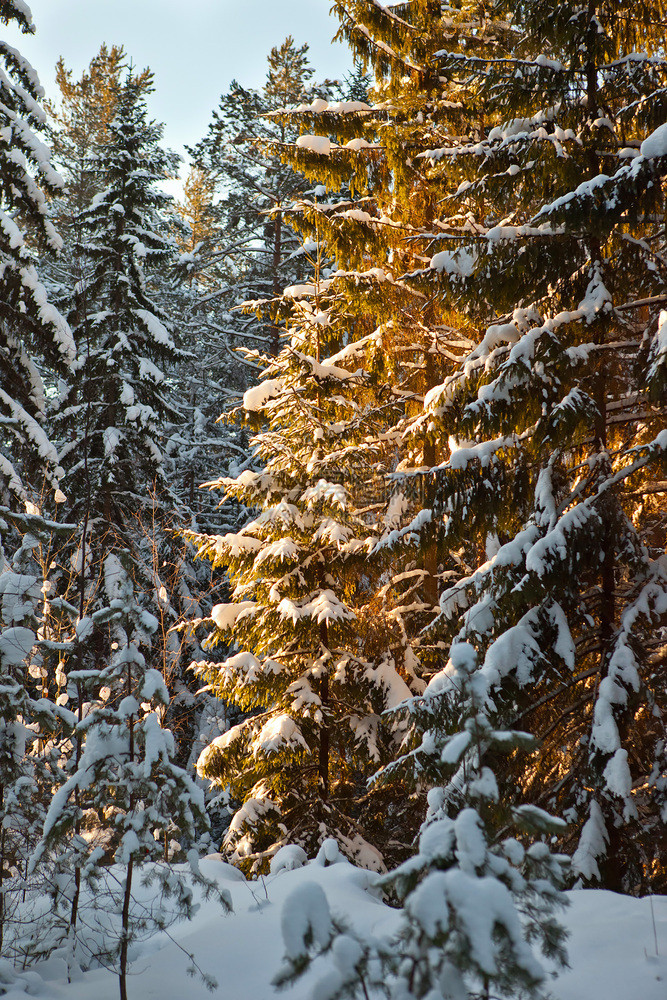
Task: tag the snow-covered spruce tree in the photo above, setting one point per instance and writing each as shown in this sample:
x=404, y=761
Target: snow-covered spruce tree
x=110, y=422
x=313, y=661
x=32, y=333
x=475, y=901
x=241, y=252
x=371, y=225
x=34, y=340
x=79, y=122
x=126, y=774
x=32, y=728
x=180, y=388
x=114, y=423
x=91, y=145
x=381, y=325
x=373, y=153
x=78, y=125
x=549, y=438
x=67, y=857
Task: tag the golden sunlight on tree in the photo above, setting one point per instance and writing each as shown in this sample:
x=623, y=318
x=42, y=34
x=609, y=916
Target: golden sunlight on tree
x=82, y=112
x=196, y=210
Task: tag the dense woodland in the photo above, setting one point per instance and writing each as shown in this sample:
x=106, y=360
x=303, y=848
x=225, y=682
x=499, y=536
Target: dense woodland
x=333, y=494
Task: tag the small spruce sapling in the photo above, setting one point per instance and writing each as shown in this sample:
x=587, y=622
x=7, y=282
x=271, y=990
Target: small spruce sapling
x=127, y=776
x=27, y=755
x=475, y=901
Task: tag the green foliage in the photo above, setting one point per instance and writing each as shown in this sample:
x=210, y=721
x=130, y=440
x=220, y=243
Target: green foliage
x=308, y=669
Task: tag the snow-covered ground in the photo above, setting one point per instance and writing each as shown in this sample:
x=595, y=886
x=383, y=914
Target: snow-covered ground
x=612, y=943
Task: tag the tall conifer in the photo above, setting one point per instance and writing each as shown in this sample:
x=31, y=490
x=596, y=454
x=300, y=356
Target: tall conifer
x=315, y=687
x=256, y=247
x=111, y=421
x=32, y=332
x=551, y=442
x=366, y=231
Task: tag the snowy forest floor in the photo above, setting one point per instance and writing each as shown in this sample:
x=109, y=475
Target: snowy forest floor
x=612, y=944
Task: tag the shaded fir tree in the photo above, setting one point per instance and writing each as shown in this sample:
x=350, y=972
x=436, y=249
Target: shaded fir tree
x=35, y=345
x=111, y=422
x=32, y=333
x=33, y=730
x=126, y=774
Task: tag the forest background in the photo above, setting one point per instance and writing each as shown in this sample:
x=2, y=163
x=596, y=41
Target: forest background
x=429, y=299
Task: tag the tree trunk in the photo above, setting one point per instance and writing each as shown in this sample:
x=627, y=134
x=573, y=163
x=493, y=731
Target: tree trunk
x=3, y=909
x=125, y=931
x=429, y=460
x=277, y=286
x=125, y=917
x=323, y=762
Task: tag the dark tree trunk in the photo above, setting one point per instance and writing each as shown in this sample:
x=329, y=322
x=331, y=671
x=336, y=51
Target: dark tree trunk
x=324, y=753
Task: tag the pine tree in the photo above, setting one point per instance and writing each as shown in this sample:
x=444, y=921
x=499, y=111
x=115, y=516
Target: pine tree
x=198, y=212
x=371, y=223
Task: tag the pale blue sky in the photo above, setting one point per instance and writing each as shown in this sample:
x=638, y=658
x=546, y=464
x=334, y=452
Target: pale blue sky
x=194, y=47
